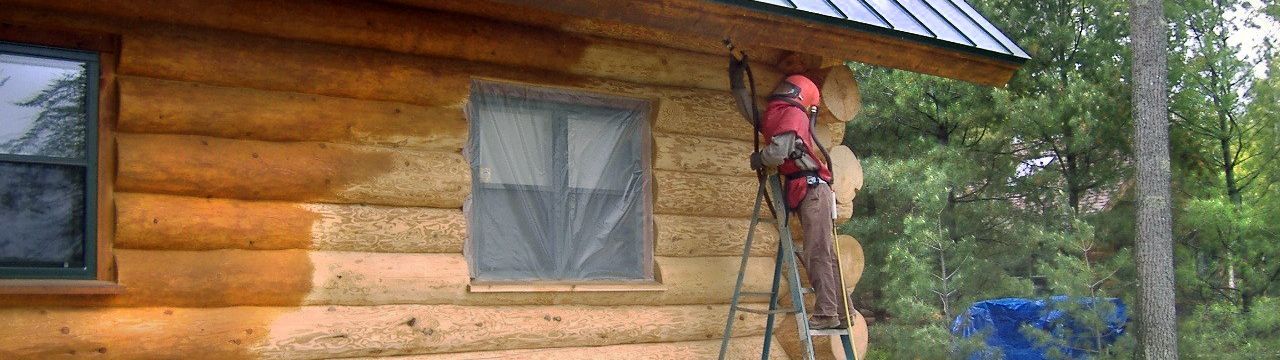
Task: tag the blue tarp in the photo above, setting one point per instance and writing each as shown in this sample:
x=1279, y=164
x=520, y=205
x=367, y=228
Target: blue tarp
x=1002, y=320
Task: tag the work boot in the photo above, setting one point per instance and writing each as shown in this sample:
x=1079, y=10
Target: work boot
x=823, y=322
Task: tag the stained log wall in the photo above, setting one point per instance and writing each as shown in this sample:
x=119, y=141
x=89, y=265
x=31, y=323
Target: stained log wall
x=290, y=180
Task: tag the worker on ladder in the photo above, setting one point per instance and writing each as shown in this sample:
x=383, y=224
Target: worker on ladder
x=791, y=147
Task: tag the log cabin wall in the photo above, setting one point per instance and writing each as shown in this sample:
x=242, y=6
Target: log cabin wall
x=289, y=185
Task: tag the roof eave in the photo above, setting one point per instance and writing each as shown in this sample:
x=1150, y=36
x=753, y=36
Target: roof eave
x=800, y=32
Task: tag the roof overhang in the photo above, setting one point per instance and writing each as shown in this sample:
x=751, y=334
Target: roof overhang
x=770, y=26
x=755, y=23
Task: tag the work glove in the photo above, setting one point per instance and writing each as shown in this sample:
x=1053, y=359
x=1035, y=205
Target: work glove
x=756, y=162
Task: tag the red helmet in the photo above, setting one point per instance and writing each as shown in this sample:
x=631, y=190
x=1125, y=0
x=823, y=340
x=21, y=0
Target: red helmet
x=799, y=89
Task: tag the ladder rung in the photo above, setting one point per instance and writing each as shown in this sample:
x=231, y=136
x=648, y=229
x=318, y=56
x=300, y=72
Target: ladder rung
x=765, y=312
x=766, y=221
x=828, y=332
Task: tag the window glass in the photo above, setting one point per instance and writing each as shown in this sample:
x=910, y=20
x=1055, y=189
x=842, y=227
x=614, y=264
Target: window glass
x=563, y=185
x=48, y=123
x=42, y=106
x=42, y=207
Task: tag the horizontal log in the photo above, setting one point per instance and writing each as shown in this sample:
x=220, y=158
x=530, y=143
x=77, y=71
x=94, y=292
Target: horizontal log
x=852, y=261
x=273, y=64
x=847, y=174
x=840, y=96
x=831, y=134
x=679, y=235
x=430, y=33
x=680, y=193
x=164, y=222
x=322, y=332
x=293, y=277
x=167, y=222
x=171, y=107
x=243, y=169
x=746, y=347
x=699, y=154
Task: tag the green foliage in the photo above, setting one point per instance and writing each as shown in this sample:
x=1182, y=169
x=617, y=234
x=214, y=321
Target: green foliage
x=976, y=193
x=1218, y=331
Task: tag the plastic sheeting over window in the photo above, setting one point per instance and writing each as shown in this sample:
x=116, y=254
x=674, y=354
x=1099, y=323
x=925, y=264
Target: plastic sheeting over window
x=561, y=185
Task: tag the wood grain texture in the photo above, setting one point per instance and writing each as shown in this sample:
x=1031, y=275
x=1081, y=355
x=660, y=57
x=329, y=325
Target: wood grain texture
x=825, y=347
x=699, y=154
x=680, y=235
x=852, y=261
x=242, y=169
x=172, y=107
x=320, y=332
x=847, y=174
x=272, y=64
x=830, y=134
x=702, y=22
x=840, y=94
x=747, y=347
x=218, y=278
x=430, y=33
x=680, y=193
x=165, y=222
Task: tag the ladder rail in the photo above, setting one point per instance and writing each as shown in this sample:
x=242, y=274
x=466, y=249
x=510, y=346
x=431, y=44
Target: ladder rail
x=742, y=272
x=785, y=262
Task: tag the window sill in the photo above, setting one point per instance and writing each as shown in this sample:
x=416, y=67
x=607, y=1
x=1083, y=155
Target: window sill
x=518, y=287
x=59, y=287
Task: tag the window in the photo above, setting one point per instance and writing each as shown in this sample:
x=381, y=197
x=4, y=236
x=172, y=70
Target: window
x=561, y=185
x=48, y=154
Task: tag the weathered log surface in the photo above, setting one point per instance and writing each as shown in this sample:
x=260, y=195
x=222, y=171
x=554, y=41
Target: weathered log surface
x=824, y=347
x=680, y=235
x=164, y=222
x=680, y=193
x=844, y=212
x=319, y=332
x=840, y=96
x=699, y=154
x=270, y=63
x=167, y=222
x=747, y=347
x=242, y=169
x=847, y=174
x=852, y=261
x=835, y=349
x=430, y=33
x=292, y=277
x=830, y=134
x=173, y=107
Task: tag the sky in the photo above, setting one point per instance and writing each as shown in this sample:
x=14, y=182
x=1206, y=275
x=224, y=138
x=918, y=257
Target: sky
x=1251, y=39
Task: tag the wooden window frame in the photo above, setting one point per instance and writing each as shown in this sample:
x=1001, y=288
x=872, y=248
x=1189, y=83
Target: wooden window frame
x=98, y=277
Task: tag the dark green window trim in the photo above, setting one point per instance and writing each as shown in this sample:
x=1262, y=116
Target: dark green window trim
x=89, y=161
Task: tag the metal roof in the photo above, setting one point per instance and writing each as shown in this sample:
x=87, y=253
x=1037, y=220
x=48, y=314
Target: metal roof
x=952, y=24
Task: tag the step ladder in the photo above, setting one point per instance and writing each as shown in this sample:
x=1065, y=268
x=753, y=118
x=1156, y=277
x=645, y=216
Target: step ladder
x=785, y=260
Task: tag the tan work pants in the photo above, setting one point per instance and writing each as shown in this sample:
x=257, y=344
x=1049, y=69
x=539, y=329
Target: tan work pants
x=819, y=255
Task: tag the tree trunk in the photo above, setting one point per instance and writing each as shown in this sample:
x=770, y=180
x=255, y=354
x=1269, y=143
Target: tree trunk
x=1157, y=337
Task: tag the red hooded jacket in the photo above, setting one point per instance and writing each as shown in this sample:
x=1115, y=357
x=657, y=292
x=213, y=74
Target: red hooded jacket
x=781, y=117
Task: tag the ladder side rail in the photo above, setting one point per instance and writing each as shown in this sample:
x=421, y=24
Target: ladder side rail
x=773, y=303
x=742, y=271
x=793, y=271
